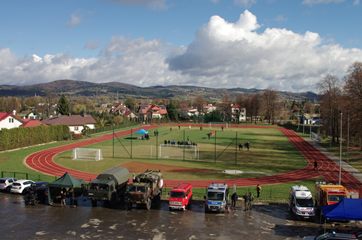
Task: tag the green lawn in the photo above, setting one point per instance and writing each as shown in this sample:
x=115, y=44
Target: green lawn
x=269, y=152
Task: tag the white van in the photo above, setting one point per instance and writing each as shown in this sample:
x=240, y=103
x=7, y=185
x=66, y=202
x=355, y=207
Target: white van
x=301, y=202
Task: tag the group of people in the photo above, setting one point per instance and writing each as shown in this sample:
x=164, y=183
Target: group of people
x=246, y=145
x=248, y=198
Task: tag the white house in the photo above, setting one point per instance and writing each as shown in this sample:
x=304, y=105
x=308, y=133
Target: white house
x=9, y=120
x=238, y=113
x=208, y=108
x=189, y=112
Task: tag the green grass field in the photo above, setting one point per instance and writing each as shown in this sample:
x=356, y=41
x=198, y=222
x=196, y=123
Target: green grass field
x=270, y=152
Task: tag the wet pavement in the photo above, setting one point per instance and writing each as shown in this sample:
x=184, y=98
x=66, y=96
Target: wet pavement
x=265, y=222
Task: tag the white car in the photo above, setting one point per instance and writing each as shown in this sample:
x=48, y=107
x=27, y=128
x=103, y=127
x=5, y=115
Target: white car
x=6, y=182
x=20, y=185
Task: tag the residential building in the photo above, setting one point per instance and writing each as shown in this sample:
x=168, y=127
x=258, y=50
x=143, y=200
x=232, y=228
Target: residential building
x=208, y=108
x=151, y=111
x=189, y=112
x=238, y=113
x=10, y=120
x=76, y=123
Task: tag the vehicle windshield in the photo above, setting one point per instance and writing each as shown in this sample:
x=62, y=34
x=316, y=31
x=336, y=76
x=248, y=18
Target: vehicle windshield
x=136, y=189
x=335, y=198
x=215, y=196
x=177, y=195
x=304, y=202
x=34, y=185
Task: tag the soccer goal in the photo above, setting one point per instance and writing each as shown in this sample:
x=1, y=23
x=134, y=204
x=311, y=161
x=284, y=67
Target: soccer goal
x=175, y=151
x=218, y=124
x=90, y=154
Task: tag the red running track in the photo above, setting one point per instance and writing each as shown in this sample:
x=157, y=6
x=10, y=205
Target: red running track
x=43, y=162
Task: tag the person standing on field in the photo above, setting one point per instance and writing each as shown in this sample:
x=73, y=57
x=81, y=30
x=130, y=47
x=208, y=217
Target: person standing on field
x=246, y=200
x=258, y=190
x=234, y=198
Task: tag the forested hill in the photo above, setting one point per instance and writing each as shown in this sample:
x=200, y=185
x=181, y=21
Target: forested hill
x=122, y=91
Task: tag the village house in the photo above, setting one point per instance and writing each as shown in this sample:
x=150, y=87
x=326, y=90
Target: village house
x=76, y=123
x=151, y=111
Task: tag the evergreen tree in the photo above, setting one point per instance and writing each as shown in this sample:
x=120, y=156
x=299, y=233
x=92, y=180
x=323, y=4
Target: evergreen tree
x=63, y=105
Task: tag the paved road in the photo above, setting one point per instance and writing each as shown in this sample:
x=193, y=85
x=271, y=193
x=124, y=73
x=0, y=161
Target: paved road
x=265, y=222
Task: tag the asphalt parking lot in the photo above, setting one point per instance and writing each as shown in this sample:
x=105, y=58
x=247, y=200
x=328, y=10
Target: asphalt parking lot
x=266, y=222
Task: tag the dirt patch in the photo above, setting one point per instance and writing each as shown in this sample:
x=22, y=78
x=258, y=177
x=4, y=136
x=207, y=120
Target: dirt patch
x=137, y=167
x=3, y=159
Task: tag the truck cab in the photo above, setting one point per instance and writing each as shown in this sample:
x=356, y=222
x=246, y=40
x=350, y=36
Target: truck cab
x=180, y=196
x=217, y=197
x=301, y=202
x=328, y=194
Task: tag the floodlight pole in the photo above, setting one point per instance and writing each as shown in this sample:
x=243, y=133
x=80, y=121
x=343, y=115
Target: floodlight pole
x=340, y=152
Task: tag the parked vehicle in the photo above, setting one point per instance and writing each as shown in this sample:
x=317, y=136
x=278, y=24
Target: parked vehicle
x=108, y=186
x=6, y=183
x=21, y=186
x=31, y=197
x=326, y=236
x=146, y=188
x=41, y=190
x=217, y=197
x=328, y=194
x=301, y=202
x=180, y=196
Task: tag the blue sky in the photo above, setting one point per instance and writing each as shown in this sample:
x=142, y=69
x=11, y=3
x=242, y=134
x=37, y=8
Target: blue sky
x=284, y=45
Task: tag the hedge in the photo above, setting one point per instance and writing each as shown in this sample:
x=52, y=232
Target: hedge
x=23, y=137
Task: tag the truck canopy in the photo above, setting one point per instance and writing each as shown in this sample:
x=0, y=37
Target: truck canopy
x=117, y=174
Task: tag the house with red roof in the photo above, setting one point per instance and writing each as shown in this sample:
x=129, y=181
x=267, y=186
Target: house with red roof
x=31, y=123
x=208, y=108
x=151, y=111
x=76, y=123
x=238, y=113
x=10, y=120
x=123, y=111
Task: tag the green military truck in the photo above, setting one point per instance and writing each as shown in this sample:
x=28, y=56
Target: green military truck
x=109, y=186
x=146, y=188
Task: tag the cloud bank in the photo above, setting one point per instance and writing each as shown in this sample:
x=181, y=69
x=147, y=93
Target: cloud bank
x=223, y=55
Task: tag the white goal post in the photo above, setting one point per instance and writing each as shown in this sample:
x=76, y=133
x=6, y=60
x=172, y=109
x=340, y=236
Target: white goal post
x=90, y=154
x=175, y=151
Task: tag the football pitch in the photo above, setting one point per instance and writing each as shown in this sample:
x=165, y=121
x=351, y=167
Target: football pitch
x=270, y=152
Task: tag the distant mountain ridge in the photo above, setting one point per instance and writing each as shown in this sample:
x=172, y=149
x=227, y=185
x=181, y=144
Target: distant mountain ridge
x=123, y=91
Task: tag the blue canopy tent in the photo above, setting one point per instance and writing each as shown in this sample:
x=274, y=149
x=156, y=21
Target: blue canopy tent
x=141, y=131
x=346, y=210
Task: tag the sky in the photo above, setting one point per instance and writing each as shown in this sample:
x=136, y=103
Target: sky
x=284, y=45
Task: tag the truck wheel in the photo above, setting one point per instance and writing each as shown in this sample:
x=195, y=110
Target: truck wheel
x=148, y=205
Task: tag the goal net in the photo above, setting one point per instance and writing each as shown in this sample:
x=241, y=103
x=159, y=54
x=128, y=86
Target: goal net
x=87, y=154
x=175, y=151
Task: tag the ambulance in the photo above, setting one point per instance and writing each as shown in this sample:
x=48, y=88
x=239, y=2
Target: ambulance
x=301, y=202
x=217, y=197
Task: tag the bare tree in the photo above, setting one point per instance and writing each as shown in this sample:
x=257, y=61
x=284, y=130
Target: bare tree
x=270, y=104
x=225, y=105
x=199, y=104
x=353, y=99
x=330, y=90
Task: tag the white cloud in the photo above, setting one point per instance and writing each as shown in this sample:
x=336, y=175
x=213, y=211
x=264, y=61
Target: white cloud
x=75, y=20
x=280, y=18
x=276, y=58
x=92, y=44
x=244, y=3
x=313, y=2
x=223, y=55
x=356, y=2
x=152, y=4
